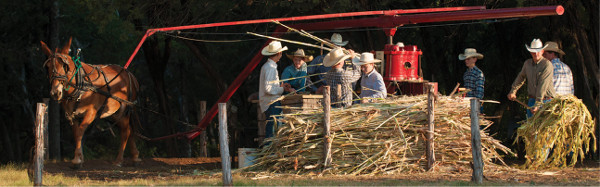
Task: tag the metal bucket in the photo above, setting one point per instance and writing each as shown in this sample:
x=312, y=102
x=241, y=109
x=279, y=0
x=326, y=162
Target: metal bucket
x=246, y=156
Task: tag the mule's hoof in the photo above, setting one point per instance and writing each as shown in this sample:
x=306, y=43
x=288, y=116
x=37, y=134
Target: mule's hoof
x=118, y=164
x=77, y=166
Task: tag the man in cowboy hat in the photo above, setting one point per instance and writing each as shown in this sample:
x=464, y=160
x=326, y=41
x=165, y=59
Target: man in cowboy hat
x=371, y=82
x=316, y=65
x=538, y=72
x=269, y=89
x=337, y=75
x=473, y=78
x=563, y=77
x=297, y=70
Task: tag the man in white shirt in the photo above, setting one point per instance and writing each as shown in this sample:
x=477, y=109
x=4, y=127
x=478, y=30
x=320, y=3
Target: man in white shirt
x=269, y=89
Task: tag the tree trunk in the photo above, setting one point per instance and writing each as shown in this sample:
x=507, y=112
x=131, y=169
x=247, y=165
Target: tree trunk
x=54, y=107
x=209, y=69
x=157, y=64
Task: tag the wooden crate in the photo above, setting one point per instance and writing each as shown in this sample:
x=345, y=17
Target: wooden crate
x=301, y=102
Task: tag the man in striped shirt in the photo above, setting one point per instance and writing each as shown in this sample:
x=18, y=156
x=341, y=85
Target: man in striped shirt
x=563, y=77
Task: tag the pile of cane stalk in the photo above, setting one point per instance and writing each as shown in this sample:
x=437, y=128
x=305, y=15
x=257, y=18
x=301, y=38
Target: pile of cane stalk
x=562, y=126
x=375, y=138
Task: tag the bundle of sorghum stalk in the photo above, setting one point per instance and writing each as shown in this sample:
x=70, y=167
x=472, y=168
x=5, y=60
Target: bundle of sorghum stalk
x=562, y=126
x=374, y=138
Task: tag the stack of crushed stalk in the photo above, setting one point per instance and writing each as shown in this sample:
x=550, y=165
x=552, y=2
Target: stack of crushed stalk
x=562, y=128
x=377, y=138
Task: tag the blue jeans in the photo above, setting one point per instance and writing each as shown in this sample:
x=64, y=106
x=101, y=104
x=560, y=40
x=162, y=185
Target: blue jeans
x=271, y=111
x=530, y=103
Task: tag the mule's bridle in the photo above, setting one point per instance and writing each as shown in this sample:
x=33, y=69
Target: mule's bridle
x=54, y=74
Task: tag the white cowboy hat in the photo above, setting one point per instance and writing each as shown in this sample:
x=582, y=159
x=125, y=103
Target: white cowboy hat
x=273, y=48
x=536, y=46
x=334, y=57
x=365, y=58
x=300, y=53
x=336, y=39
x=470, y=52
x=553, y=46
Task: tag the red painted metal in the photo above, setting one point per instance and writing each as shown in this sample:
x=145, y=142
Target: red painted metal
x=399, y=20
x=402, y=63
x=387, y=19
x=150, y=32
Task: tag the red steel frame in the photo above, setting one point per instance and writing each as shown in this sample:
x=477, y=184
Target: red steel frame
x=387, y=19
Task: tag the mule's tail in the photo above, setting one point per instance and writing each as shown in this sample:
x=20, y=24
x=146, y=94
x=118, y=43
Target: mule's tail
x=134, y=118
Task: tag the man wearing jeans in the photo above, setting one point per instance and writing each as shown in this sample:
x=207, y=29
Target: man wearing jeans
x=538, y=72
x=269, y=89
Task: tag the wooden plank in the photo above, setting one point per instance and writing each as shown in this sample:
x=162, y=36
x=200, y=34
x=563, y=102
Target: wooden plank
x=476, y=142
x=38, y=162
x=223, y=141
x=430, y=153
x=326, y=127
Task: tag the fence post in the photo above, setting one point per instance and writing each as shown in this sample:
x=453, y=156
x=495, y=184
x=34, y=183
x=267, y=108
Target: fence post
x=223, y=136
x=476, y=142
x=430, y=153
x=38, y=162
x=203, y=139
x=326, y=127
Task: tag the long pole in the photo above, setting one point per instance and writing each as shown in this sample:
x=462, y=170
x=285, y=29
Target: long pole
x=38, y=162
x=476, y=142
x=430, y=126
x=326, y=127
x=223, y=136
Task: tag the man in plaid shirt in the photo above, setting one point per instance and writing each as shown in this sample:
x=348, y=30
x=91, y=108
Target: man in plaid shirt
x=473, y=78
x=563, y=77
x=338, y=75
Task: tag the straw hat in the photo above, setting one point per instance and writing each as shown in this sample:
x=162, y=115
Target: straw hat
x=536, y=46
x=470, y=52
x=336, y=39
x=334, y=57
x=273, y=48
x=553, y=46
x=365, y=58
x=300, y=53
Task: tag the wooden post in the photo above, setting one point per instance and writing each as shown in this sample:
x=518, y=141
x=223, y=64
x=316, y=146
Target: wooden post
x=430, y=153
x=223, y=136
x=476, y=142
x=54, y=129
x=46, y=142
x=326, y=127
x=203, y=139
x=38, y=162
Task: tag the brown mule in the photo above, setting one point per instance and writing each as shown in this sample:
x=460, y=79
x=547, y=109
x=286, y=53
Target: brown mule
x=87, y=92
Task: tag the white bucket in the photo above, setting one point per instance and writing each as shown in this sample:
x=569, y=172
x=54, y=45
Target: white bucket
x=246, y=156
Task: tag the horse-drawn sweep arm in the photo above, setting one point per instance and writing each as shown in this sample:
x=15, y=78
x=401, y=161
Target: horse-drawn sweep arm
x=389, y=19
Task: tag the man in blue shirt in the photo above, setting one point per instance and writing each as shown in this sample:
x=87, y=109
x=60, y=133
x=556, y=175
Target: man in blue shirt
x=473, y=78
x=297, y=71
x=371, y=82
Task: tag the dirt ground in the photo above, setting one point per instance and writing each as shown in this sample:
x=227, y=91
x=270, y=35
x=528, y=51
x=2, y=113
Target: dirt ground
x=586, y=173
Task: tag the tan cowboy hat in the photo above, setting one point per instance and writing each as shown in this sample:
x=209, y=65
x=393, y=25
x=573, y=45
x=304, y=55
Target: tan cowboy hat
x=334, y=57
x=365, y=58
x=300, y=53
x=470, y=52
x=553, y=46
x=336, y=39
x=273, y=48
x=536, y=46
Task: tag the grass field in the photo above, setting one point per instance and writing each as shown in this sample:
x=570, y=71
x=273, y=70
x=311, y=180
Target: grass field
x=189, y=172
